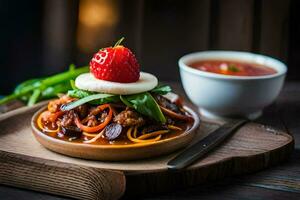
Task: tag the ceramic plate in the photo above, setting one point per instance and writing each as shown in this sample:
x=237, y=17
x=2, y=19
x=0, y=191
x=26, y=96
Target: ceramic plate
x=115, y=152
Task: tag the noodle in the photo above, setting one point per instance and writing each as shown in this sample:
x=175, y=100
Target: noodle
x=89, y=134
x=95, y=138
x=153, y=134
x=139, y=140
x=176, y=128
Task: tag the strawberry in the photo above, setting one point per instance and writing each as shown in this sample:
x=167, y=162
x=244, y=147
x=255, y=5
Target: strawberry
x=116, y=64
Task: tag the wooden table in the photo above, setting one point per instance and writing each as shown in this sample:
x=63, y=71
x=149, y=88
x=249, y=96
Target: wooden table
x=280, y=182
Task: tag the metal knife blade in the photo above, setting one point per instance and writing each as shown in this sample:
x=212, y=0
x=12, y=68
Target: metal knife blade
x=202, y=147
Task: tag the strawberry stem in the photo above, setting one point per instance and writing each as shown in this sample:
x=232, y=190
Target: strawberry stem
x=119, y=41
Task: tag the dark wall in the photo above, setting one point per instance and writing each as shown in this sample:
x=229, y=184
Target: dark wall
x=21, y=42
x=40, y=37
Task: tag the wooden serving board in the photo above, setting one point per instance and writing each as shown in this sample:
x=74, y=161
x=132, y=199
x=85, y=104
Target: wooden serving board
x=25, y=163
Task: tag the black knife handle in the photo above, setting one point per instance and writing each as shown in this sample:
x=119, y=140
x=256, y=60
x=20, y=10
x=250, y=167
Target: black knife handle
x=202, y=147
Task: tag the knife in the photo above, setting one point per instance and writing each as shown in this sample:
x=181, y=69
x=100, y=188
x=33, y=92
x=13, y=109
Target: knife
x=202, y=147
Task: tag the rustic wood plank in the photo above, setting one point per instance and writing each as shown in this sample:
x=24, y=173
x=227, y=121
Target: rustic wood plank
x=60, y=178
x=277, y=180
x=284, y=177
x=251, y=148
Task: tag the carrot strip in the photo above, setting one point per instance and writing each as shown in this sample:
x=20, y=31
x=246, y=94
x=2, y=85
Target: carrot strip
x=98, y=127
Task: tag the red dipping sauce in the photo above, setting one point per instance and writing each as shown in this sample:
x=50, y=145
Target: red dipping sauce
x=232, y=68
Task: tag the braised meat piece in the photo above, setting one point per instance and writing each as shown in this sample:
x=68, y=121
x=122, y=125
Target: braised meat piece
x=129, y=117
x=68, y=119
x=92, y=121
x=166, y=103
x=103, y=116
x=82, y=110
x=71, y=131
x=54, y=106
x=154, y=127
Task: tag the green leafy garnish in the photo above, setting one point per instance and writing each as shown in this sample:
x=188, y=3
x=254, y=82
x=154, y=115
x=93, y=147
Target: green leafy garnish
x=77, y=93
x=101, y=99
x=145, y=104
x=233, y=68
x=161, y=89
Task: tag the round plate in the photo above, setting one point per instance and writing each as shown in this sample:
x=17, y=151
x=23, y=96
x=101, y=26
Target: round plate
x=115, y=152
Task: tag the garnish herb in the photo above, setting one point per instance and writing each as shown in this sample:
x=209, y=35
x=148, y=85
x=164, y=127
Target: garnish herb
x=101, y=99
x=145, y=104
x=233, y=68
x=77, y=93
x=161, y=89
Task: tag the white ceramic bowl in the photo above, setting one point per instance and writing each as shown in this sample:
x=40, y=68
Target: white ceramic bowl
x=222, y=96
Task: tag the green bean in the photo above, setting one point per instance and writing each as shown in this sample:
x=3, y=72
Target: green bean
x=64, y=76
x=34, y=97
x=52, y=91
x=28, y=87
x=25, y=83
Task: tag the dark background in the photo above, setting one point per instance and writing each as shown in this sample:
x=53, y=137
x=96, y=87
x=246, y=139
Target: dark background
x=39, y=38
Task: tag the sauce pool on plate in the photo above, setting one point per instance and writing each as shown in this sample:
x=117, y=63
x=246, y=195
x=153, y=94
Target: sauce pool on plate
x=232, y=68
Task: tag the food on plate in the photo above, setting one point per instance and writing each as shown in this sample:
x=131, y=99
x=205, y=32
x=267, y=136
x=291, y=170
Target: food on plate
x=115, y=103
x=35, y=90
x=234, y=68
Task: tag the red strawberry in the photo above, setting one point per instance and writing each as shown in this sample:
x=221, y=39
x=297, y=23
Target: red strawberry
x=117, y=64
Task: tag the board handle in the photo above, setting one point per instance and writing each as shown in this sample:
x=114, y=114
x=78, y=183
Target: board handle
x=58, y=178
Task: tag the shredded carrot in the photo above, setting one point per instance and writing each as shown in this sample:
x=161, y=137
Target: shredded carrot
x=95, y=138
x=176, y=128
x=98, y=127
x=139, y=140
x=41, y=126
x=152, y=134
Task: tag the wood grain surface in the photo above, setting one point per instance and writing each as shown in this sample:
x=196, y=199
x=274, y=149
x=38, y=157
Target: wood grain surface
x=251, y=148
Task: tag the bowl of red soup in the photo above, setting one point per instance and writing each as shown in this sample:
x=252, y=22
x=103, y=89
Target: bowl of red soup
x=231, y=84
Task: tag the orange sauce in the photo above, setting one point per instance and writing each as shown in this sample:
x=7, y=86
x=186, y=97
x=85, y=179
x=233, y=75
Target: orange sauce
x=232, y=68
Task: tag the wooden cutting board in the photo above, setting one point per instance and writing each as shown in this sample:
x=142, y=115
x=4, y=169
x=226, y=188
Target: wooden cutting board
x=25, y=163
